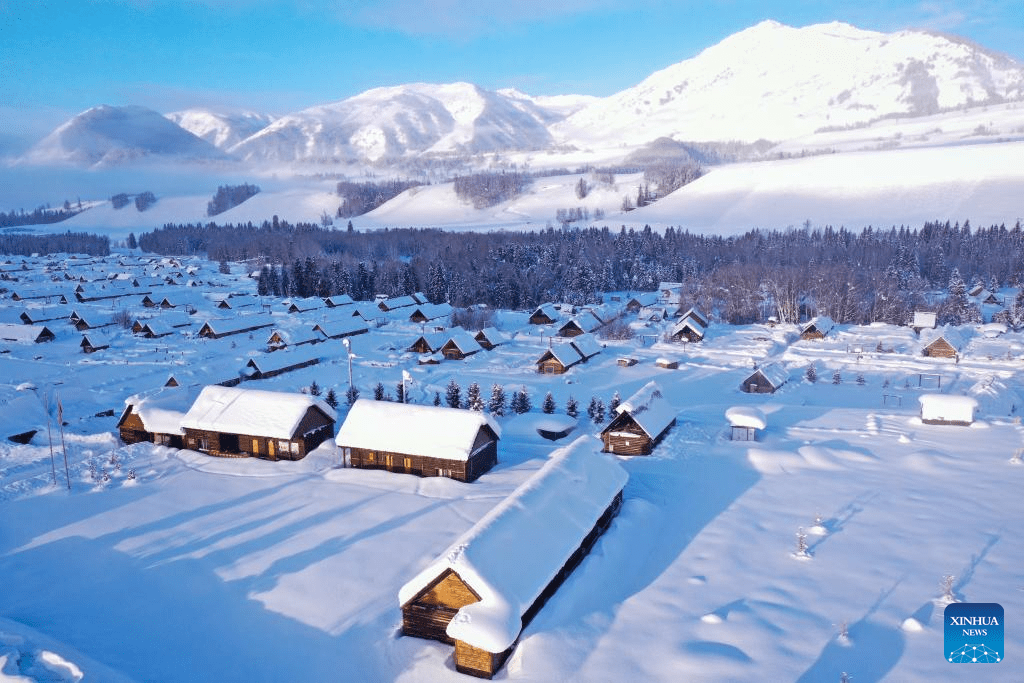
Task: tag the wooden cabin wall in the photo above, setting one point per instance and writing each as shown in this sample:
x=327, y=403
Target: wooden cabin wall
x=940, y=348
x=757, y=384
x=551, y=366
x=424, y=466
x=429, y=613
x=476, y=662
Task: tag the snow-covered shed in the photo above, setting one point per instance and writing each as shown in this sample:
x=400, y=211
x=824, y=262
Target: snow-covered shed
x=583, y=323
x=460, y=344
x=482, y=591
x=45, y=314
x=923, y=320
x=429, y=342
x=428, y=441
x=235, y=421
x=817, y=328
x=490, y=337
x=25, y=333
x=687, y=329
x=23, y=415
x=943, y=342
x=341, y=327
x=338, y=300
x=558, y=358
x=95, y=340
x=947, y=409
x=156, y=418
x=642, y=300
x=745, y=421
x=300, y=305
x=394, y=303
x=766, y=379
x=641, y=422
x=281, y=338
x=240, y=302
x=545, y=314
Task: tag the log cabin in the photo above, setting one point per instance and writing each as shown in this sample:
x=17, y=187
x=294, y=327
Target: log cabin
x=558, y=359
x=395, y=303
x=25, y=333
x=427, y=312
x=545, y=314
x=817, y=328
x=640, y=423
x=460, y=345
x=233, y=422
x=45, y=314
x=218, y=328
x=943, y=342
x=267, y=365
x=765, y=380
x=482, y=591
x=341, y=327
x=427, y=441
x=583, y=323
x=156, y=418
x=338, y=300
x=490, y=337
x=305, y=305
x=429, y=342
x=93, y=341
x=687, y=329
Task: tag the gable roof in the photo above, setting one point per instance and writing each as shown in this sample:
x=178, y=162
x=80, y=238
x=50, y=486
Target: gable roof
x=511, y=555
x=775, y=373
x=235, y=410
x=491, y=335
x=433, y=340
x=688, y=323
x=566, y=354
x=463, y=340
x=162, y=411
x=649, y=410
x=957, y=337
x=432, y=311
x=17, y=332
x=433, y=431
x=587, y=345
x=821, y=323
x=585, y=321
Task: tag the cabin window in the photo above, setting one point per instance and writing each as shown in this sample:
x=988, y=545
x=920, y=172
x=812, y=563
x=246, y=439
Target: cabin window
x=204, y=443
x=408, y=463
x=163, y=439
x=255, y=445
x=444, y=473
x=295, y=448
x=370, y=457
x=389, y=461
x=284, y=446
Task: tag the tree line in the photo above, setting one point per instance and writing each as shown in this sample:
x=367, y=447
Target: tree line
x=57, y=243
x=854, y=277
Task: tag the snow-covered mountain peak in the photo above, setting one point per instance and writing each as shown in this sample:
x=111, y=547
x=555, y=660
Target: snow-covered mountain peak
x=221, y=129
x=109, y=135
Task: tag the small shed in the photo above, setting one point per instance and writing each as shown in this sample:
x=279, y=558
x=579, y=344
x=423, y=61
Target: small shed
x=307, y=305
x=430, y=342
x=557, y=359
x=428, y=441
x=93, y=341
x=422, y=313
x=267, y=365
x=25, y=333
x=583, y=323
x=460, y=345
x=923, y=320
x=545, y=314
x=218, y=328
x=481, y=592
x=687, y=329
x=232, y=421
x=817, y=328
x=338, y=300
x=943, y=342
x=667, y=363
x=946, y=409
x=344, y=326
x=766, y=379
x=627, y=361
x=746, y=422
x=490, y=337
x=640, y=423
x=156, y=418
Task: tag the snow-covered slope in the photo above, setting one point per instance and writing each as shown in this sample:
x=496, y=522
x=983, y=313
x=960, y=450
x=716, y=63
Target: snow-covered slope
x=222, y=130
x=398, y=121
x=107, y=135
x=776, y=82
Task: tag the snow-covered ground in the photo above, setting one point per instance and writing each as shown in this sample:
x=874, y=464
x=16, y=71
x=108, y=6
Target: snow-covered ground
x=203, y=569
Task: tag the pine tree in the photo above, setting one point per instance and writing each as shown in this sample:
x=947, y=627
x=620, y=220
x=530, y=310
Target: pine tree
x=592, y=408
x=400, y=391
x=614, y=403
x=837, y=378
x=572, y=408
x=548, y=407
x=437, y=398
x=811, y=375
x=331, y=399
x=599, y=412
x=497, y=403
x=473, y=400
x=453, y=395
x=378, y=392
x=315, y=389
x=954, y=309
x=352, y=395
x=521, y=402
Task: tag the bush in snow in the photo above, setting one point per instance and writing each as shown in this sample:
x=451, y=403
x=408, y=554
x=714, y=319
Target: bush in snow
x=572, y=408
x=497, y=403
x=453, y=395
x=801, y=545
x=811, y=375
x=860, y=379
x=314, y=389
x=351, y=395
x=437, y=398
x=548, y=407
x=614, y=403
x=131, y=474
x=837, y=378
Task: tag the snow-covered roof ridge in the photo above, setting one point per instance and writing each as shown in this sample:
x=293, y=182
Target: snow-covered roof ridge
x=510, y=556
x=432, y=431
x=237, y=410
x=775, y=373
x=649, y=409
x=955, y=336
x=746, y=416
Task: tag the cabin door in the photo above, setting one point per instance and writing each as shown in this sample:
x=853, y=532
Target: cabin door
x=270, y=448
x=389, y=461
x=255, y=446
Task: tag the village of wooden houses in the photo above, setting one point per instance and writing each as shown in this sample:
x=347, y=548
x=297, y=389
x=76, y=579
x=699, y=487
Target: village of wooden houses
x=521, y=461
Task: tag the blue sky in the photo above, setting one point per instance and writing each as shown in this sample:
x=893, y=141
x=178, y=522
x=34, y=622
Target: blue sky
x=59, y=57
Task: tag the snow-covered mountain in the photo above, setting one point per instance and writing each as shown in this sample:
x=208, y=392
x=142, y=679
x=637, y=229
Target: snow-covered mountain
x=107, y=136
x=776, y=82
x=222, y=130
x=403, y=120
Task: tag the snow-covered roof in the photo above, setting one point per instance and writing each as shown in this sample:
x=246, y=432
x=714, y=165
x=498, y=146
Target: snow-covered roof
x=948, y=407
x=517, y=548
x=239, y=322
x=17, y=332
x=644, y=299
x=566, y=354
x=265, y=363
x=746, y=416
x=775, y=373
x=957, y=337
x=339, y=300
x=298, y=305
x=392, y=303
x=649, y=409
x=691, y=324
x=241, y=301
x=462, y=339
x=697, y=315
x=923, y=320
x=432, y=431
x=587, y=345
x=433, y=340
x=163, y=411
x=432, y=311
x=493, y=335
x=547, y=310
x=821, y=323
x=235, y=410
